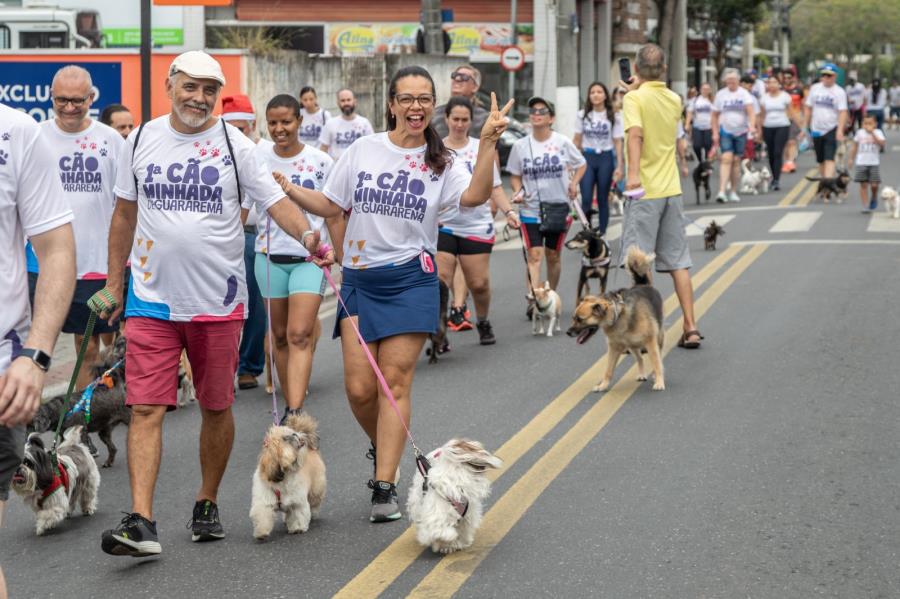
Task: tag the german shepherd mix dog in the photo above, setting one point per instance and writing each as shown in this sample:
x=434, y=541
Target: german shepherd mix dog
x=595, y=259
x=701, y=175
x=631, y=319
x=711, y=233
x=439, y=343
x=836, y=187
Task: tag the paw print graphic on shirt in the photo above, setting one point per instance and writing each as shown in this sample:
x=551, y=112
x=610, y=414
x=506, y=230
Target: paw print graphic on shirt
x=202, y=152
x=196, y=144
x=5, y=137
x=215, y=153
x=93, y=146
x=434, y=177
x=226, y=160
x=103, y=152
x=3, y=156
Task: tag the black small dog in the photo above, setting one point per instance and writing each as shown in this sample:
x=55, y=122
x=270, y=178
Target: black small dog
x=108, y=408
x=711, y=233
x=439, y=343
x=595, y=260
x=701, y=175
x=836, y=187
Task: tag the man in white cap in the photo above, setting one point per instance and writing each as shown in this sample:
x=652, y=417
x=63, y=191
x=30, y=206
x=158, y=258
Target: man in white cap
x=179, y=189
x=825, y=117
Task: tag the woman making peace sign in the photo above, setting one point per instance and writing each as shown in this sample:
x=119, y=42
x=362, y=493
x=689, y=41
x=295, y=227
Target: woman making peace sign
x=395, y=185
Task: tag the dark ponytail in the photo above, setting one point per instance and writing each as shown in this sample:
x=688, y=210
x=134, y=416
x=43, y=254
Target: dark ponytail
x=437, y=155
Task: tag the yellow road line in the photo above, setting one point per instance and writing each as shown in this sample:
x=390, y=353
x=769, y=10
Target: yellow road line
x=808, y=195
x=404, y=550
x=797, y=189
x=451, y=572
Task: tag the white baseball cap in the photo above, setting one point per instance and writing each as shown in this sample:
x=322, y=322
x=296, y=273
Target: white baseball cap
x=198, y=65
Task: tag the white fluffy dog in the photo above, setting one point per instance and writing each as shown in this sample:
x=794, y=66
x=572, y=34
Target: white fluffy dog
x=52, y=493
x=447, y=506
x=290, y=477
x=753, y=180
x=547, y=309
x=891, y=199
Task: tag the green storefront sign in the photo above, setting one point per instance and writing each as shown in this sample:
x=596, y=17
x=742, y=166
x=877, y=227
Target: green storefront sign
x=132, y=37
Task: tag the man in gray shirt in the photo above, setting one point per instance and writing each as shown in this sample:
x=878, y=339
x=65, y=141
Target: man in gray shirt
x=466, y=80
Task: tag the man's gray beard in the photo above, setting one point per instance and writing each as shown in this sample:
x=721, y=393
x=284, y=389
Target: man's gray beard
x=190, y=120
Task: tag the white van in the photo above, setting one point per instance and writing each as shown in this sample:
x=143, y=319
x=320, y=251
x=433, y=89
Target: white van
x=46, y=26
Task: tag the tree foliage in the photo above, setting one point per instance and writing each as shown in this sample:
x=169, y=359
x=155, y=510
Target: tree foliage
x=844, y=29
x=724, y=21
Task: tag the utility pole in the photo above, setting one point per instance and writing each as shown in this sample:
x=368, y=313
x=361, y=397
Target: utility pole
x=146, y=49
x=784, y=31
x=431, y=21
x=678, y=61
x=513, y=38
x=566, y=65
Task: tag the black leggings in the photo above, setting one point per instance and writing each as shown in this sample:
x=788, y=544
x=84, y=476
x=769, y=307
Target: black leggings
x=701, y=139
x=776, y=138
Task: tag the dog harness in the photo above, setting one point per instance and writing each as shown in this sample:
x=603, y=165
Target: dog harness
x=461, y=507
x=60, y=481
x=87, y=396
x=594, y=262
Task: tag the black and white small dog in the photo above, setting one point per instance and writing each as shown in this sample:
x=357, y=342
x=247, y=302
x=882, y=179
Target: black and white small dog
x=53, y=492
x=836, y=187
x=711, y=234
x=701, y=175
x=595, y=260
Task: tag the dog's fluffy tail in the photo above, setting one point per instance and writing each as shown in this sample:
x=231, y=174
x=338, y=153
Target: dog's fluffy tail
x=71, y=436
x=640, y=265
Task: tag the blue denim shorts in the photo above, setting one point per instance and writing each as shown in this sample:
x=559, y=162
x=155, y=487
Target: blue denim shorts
x=732, y=143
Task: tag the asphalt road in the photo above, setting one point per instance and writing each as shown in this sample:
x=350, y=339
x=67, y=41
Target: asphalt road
x=769, y=467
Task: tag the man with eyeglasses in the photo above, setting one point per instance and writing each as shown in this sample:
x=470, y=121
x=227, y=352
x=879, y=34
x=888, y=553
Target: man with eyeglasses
x=85, y=153
x=465, y=81
x=825, y=116
x=340, y=133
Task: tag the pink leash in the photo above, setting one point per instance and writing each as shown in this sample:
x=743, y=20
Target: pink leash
x=324, y=249
x=269, y=323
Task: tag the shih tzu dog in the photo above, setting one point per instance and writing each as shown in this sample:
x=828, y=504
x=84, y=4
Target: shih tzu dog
x=447, y=503
x=53, y=492
x=290, y=477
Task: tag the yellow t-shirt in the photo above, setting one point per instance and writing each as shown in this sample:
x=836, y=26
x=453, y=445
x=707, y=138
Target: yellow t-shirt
x=657, y=110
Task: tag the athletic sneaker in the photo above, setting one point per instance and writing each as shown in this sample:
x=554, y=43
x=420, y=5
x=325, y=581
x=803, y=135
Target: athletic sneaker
x=722, y=198
x=788, y=167
x=776, y=186
x=733, y=197
x=204, y=524
x=384, y=502
x=873, y=204
x=486, y=333
x=134, y=536
x=372, y=455
x=459, y=319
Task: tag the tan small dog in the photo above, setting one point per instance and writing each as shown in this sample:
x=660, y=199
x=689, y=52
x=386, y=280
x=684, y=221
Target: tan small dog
x=631, y=319
x=547, y=309
x=290, y=477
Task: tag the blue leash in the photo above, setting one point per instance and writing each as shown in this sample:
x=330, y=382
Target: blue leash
x=87, y=396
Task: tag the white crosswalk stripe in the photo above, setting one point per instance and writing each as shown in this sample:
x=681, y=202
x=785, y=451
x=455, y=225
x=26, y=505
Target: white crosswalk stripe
x=796, y=222
x=881, y=222
x=696, y=228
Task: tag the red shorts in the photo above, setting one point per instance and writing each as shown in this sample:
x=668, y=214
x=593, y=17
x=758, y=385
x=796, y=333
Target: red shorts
x=153, y=354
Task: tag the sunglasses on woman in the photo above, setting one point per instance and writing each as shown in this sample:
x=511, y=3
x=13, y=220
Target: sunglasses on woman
x=461, y=77
x=539, y=111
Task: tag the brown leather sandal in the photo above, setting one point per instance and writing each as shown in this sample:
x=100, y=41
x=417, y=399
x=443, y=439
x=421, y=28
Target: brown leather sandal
x=683, y=342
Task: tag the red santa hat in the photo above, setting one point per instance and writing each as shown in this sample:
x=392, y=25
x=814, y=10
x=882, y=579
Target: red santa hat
x=237, y=108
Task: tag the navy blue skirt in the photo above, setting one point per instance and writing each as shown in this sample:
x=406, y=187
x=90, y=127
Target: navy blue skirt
x=390, y=300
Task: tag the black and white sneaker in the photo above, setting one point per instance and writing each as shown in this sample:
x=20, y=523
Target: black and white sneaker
x=384, y=502
x=486, y=333
x=134, y=536
x=204, y=524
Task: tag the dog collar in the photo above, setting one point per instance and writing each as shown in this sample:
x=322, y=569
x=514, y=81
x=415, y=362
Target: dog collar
x=60, y=481
x=595, y=261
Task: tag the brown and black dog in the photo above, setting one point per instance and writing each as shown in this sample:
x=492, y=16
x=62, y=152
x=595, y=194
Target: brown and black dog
x=711, y=234
x=631, y=319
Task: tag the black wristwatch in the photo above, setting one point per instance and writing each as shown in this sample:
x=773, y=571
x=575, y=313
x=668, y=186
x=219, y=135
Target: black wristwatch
x=41, y=358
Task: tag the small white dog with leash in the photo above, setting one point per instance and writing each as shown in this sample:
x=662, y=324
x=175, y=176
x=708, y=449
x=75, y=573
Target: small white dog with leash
x=547, y=310
x=447, y=504
x=891, y=199
x=753, y=180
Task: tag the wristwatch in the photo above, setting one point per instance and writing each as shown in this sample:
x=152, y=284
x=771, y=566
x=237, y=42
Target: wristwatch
x=41, y=358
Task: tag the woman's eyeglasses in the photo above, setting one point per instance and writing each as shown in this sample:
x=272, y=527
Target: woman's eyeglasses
x=406, y=100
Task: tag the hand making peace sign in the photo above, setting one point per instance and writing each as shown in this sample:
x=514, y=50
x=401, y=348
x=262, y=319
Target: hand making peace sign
x=496, y=123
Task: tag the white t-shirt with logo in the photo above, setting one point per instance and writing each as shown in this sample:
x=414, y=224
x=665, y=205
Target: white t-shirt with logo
x=187, y=260
x=472, y=223
x=543, y=166
x=339, y=133
x=856, y=95
x=308, y=169
x=732, y=109
x=701, y=108
x=776, y=108
x=876, y=101
x=868, y=153
x=596, y=132
x=31, y=203
x=394, y=200
x=86, y=163
x=311, y=128
x=827, y=104
x=894, y=94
